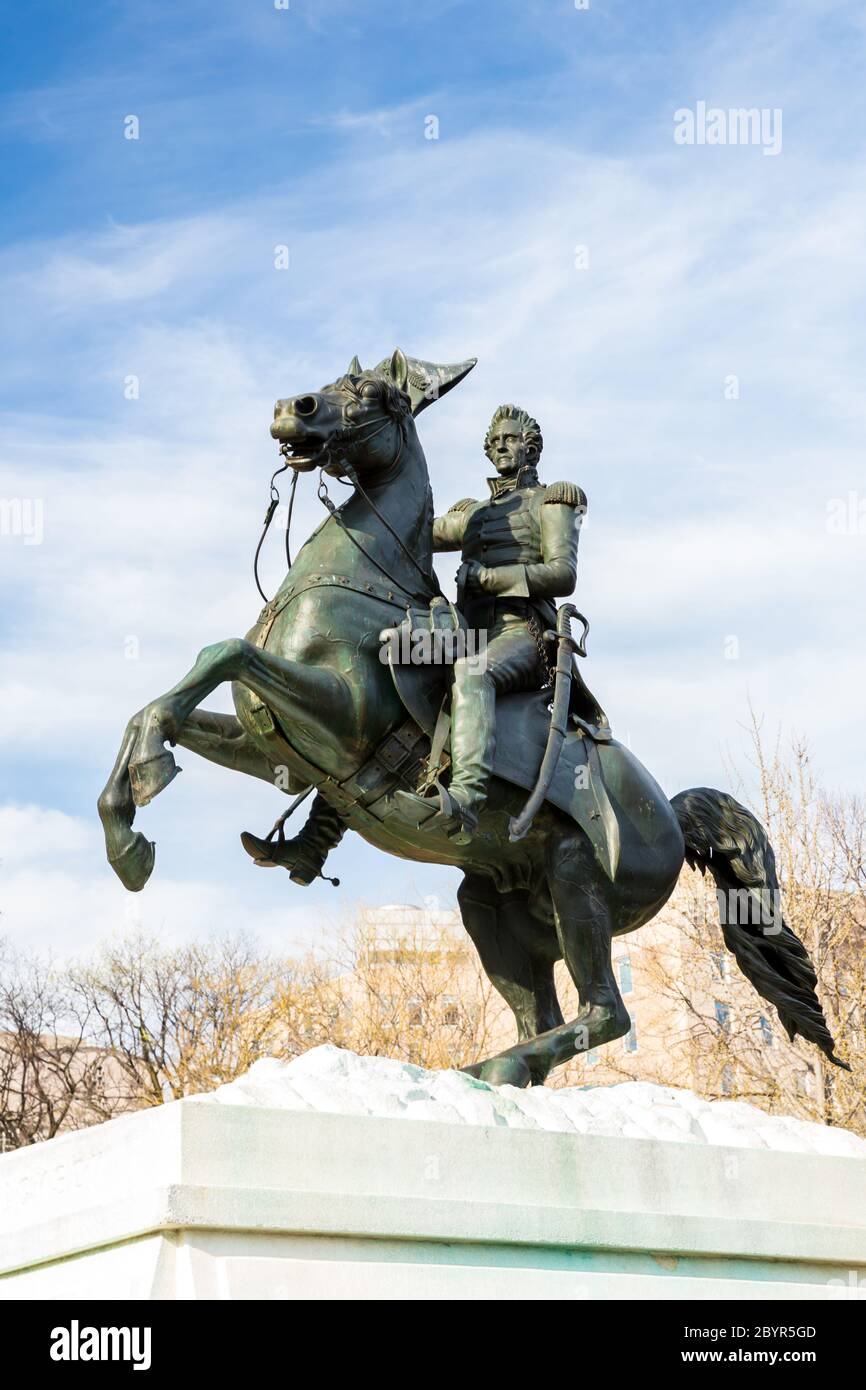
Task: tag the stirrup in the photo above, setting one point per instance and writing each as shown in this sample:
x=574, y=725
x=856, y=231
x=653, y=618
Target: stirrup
x=304, y=866
x=443, y=812
x=464, y=818
x=416, y=809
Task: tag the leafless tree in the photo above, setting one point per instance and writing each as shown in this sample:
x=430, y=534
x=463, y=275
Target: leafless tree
x=51, y=1078
x=180, y=1020
x=415, y=992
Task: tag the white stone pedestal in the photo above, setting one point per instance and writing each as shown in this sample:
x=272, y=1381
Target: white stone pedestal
x=224, y=1201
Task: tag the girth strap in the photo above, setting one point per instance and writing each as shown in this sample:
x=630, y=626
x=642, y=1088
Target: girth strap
x=397, y=762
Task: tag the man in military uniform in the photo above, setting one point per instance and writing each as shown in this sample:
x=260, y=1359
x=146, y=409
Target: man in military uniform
x=519, y=552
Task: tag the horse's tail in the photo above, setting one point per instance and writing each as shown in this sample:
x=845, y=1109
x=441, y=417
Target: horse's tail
x=722, y=836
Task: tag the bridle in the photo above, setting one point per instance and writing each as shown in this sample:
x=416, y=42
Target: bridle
x=269, y=516
x=346, y=436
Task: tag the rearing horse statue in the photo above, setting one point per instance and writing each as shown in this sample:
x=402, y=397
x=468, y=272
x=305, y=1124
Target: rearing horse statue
x=318, y=706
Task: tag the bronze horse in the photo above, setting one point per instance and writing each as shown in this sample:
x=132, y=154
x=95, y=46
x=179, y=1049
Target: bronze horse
x=316, y=705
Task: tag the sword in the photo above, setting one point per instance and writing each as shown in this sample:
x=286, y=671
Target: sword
x=566, y=647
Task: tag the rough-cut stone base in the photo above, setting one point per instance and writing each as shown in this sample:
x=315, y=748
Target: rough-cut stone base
x=223, y=1200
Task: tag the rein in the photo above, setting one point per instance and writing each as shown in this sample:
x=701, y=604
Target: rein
x=269, y=516
x=344, y=436
x=354, y=481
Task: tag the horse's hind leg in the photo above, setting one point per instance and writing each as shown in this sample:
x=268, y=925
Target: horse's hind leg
x=518, y=958
x=222, y=739
x=584, y=927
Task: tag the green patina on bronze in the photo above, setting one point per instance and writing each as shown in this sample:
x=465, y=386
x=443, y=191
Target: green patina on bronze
x=318, y=708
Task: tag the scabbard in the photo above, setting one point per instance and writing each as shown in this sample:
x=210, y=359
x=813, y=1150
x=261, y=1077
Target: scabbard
x=518, y=826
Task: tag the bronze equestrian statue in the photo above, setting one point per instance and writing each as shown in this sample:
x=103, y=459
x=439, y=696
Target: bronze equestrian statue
x=596, y=850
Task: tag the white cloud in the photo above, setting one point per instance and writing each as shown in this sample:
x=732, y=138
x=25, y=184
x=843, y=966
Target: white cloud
x=35, y=833
x=72, y=913
x=55, y=893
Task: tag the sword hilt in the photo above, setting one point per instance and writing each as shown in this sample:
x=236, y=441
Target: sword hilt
x=563, y=629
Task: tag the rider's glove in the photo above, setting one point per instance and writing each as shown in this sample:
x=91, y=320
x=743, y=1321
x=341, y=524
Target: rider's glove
x=506, y=581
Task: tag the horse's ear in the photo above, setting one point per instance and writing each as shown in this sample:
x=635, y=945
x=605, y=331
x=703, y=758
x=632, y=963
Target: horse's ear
x=354, y=368
x=398, y=369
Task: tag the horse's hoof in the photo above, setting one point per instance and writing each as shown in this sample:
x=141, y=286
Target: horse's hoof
x=501, y=1071
x=151, y=777
x=134, y=864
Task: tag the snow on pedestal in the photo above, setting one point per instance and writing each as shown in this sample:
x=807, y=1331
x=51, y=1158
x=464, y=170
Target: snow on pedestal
x=344, y=1177
x=332, y=1080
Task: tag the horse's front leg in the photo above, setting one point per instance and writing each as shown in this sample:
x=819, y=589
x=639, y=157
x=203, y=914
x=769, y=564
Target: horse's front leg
x=218, y=737
x=130, y=853
x=293, y=690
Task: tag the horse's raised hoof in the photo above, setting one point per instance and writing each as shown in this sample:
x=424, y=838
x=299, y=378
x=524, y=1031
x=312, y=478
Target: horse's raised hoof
x=134, y=864
x=152, y=776
x=501, y=1071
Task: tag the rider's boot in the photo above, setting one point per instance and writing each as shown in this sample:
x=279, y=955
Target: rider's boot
x=473, y=740
x=305, y=854
x=446, y=810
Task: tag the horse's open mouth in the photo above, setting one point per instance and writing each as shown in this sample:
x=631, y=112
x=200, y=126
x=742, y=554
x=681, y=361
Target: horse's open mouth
x=303, y=454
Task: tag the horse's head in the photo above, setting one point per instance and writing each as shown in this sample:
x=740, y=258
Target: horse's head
x=365, y=418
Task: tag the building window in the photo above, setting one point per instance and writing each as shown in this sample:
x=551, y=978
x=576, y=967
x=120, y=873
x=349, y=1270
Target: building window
x=723, y=1015
x=450, y=1011
x=626, y=982
x=766, y=1031
x=629, y=1042
x=722, y=963
x=415, y=1011
x=727, y=1080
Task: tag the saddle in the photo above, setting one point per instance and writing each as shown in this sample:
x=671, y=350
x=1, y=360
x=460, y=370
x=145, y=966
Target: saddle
x=420, y=652
x=422, y=648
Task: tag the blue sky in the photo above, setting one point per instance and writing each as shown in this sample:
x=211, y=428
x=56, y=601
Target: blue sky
x=709, y=530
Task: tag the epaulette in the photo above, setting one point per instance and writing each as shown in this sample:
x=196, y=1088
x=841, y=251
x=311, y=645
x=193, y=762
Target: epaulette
x=569, y=493
x=463, y=504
